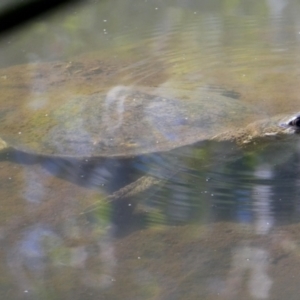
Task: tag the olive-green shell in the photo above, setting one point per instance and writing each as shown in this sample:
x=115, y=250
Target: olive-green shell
x=121, y=123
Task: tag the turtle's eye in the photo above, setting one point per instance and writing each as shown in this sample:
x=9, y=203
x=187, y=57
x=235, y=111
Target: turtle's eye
x=295, y=122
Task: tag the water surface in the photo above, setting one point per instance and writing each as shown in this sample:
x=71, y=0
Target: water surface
x=219, y=223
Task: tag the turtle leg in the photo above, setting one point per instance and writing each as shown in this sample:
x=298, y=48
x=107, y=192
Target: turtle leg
x=140, y=185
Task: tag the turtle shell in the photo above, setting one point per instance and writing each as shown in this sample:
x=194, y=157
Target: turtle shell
x=123, y=122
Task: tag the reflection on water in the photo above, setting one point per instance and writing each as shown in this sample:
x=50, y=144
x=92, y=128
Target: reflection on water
x=219, y=218
x=211, y=220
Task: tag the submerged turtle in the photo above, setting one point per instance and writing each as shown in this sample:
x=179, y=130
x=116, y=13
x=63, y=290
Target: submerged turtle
x=125, y=123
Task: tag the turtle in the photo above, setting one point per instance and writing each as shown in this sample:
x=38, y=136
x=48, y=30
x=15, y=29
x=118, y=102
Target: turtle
x=126, y=122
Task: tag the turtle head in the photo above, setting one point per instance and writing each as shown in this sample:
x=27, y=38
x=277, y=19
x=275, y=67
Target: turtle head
x=277, y=126
x=291, y=124
x=280, y=128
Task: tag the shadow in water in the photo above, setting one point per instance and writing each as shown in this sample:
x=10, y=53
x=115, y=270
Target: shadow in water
x=105, y=175
x=211, y=181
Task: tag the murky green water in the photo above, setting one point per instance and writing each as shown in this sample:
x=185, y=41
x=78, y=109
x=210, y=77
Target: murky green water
x=218, y=222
